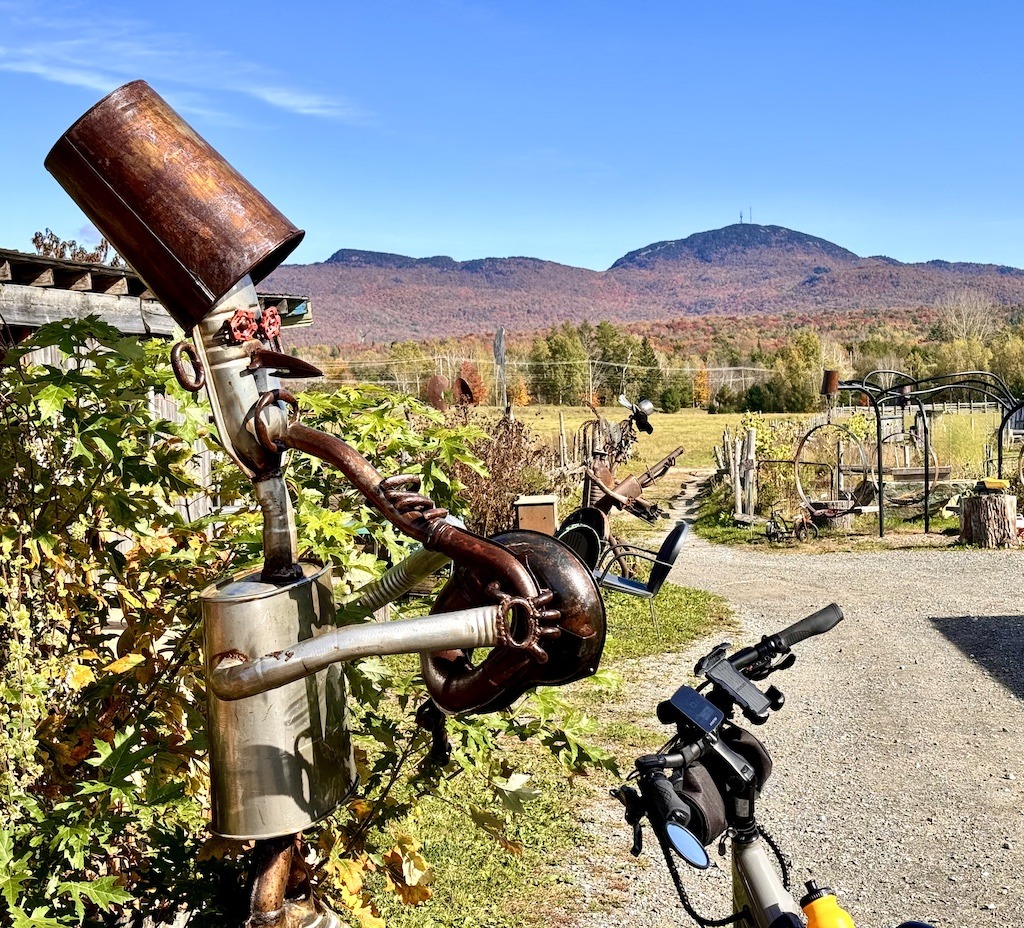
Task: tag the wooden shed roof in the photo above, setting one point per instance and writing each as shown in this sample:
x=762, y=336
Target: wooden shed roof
x=35, y=290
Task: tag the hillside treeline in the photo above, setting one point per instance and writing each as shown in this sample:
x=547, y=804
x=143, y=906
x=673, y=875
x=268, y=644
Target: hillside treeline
x=739, y=364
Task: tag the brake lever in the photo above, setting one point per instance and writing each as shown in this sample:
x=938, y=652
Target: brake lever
x=634, y=814
x=760, y=671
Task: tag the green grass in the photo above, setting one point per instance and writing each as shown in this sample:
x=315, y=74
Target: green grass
x=694, y=429
x=958, y=439
x=478, y=884
x=683, y=615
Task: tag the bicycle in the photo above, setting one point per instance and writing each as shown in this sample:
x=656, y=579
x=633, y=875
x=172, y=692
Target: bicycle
x=801, y=527
x=703, y=785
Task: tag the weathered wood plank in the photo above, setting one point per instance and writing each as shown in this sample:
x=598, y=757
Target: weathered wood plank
x=35, y=306
x=74, y=280
x=115, y=285
x=33, y=275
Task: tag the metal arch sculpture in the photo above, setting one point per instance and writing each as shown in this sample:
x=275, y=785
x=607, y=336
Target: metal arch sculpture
x=902, y=389
x=908, y=472
x=799, y=463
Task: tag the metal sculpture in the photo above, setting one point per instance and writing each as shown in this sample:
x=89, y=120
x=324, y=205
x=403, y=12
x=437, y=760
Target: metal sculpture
x=202, y=237
x=832, y=450
x=886, y=389
x=603, y=446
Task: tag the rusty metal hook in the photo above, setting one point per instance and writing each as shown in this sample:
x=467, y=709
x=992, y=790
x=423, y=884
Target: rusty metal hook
x=273, y=445
x=196, y=382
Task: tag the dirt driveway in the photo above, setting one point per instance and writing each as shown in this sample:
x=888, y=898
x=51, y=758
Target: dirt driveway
x=899, y=756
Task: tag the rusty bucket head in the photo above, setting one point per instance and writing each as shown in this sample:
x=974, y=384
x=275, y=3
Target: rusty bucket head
x=186, y=221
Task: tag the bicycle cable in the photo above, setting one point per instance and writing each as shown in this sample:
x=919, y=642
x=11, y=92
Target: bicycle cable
x=701, y=920
x=784, y=863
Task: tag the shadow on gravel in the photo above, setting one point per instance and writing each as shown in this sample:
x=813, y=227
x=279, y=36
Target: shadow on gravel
x=996, y=642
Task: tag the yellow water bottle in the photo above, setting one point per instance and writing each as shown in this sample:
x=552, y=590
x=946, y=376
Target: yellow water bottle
x=822, y=909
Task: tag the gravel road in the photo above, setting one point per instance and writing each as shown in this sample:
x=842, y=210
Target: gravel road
x=899, y=777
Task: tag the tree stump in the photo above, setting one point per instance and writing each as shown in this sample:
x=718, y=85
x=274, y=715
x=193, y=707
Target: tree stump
x=833, y=514
x=989, y=520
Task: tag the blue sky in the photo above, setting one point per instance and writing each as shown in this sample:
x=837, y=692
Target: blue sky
x=569, y=131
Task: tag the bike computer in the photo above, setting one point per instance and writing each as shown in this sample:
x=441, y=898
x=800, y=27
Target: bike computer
x=688, y=707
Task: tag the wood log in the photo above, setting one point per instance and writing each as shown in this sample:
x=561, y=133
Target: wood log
x=737, y=477
x=989, y=520
x=833, y=514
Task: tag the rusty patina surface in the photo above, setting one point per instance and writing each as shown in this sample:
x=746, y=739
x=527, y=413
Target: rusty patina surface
x=188, y=223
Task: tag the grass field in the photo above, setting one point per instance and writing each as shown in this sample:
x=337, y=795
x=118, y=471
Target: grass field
x=957, y=439
x=694, y=429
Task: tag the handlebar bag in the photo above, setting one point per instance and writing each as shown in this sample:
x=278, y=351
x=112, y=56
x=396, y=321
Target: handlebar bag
x=697, y=788
x=703, y=782
x=751, y=750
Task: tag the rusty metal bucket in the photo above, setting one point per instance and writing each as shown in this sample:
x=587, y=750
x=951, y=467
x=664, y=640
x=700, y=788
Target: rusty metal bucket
x=188, y=223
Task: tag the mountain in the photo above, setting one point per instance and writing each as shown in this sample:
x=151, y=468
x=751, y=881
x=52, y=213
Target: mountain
x=743, y=269
x=738, y=245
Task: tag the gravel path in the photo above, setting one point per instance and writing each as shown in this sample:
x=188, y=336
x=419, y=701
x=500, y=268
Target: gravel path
x=898, y=756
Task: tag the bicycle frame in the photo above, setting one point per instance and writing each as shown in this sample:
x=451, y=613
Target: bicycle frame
x=757, y=890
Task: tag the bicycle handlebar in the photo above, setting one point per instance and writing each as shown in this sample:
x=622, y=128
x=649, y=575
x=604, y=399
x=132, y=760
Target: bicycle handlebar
x=771, y=646
x=817, y=623
x=665, y=801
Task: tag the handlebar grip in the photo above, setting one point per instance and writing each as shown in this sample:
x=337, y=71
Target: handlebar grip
x=664, y=800
x=815, y=624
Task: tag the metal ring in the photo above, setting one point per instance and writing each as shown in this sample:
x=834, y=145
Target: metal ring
x=272, y=445
x=193, y=385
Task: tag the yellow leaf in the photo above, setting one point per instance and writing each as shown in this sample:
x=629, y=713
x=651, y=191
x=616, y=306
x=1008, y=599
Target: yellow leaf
x=360, y=907
x=360, y=809
x=348, y=874
x=408, y=874
x=79, y=675
x=123, y=664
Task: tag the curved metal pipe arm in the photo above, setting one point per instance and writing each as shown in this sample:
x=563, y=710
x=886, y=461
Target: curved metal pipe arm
x=411, y=513
x=235, y=676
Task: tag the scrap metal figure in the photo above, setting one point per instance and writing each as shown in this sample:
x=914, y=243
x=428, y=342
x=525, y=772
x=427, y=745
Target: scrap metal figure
x=201, y=238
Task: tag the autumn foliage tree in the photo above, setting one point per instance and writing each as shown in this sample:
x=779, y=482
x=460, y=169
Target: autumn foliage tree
x=470, y=373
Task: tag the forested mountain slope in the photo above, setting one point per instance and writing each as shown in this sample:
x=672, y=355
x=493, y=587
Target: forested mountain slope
x=363, y=296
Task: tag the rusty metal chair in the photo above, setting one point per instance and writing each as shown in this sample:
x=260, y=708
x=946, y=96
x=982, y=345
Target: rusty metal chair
x=663, y=560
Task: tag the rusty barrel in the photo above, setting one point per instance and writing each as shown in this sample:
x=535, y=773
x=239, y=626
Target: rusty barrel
x=188, y=223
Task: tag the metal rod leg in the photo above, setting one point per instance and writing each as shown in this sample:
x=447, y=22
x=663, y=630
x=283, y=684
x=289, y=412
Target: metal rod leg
x=271, y=869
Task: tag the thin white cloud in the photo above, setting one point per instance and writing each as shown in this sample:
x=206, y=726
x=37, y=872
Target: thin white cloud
x=307, y=104
x=59, y=74
x=80, y=54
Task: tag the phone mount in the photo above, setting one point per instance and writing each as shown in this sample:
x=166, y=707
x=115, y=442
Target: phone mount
x=755, y=705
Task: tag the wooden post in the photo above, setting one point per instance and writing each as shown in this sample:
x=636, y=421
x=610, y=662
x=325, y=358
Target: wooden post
x=562, y=446
x=750, y=472
x=989, y=520
x=737, y=476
